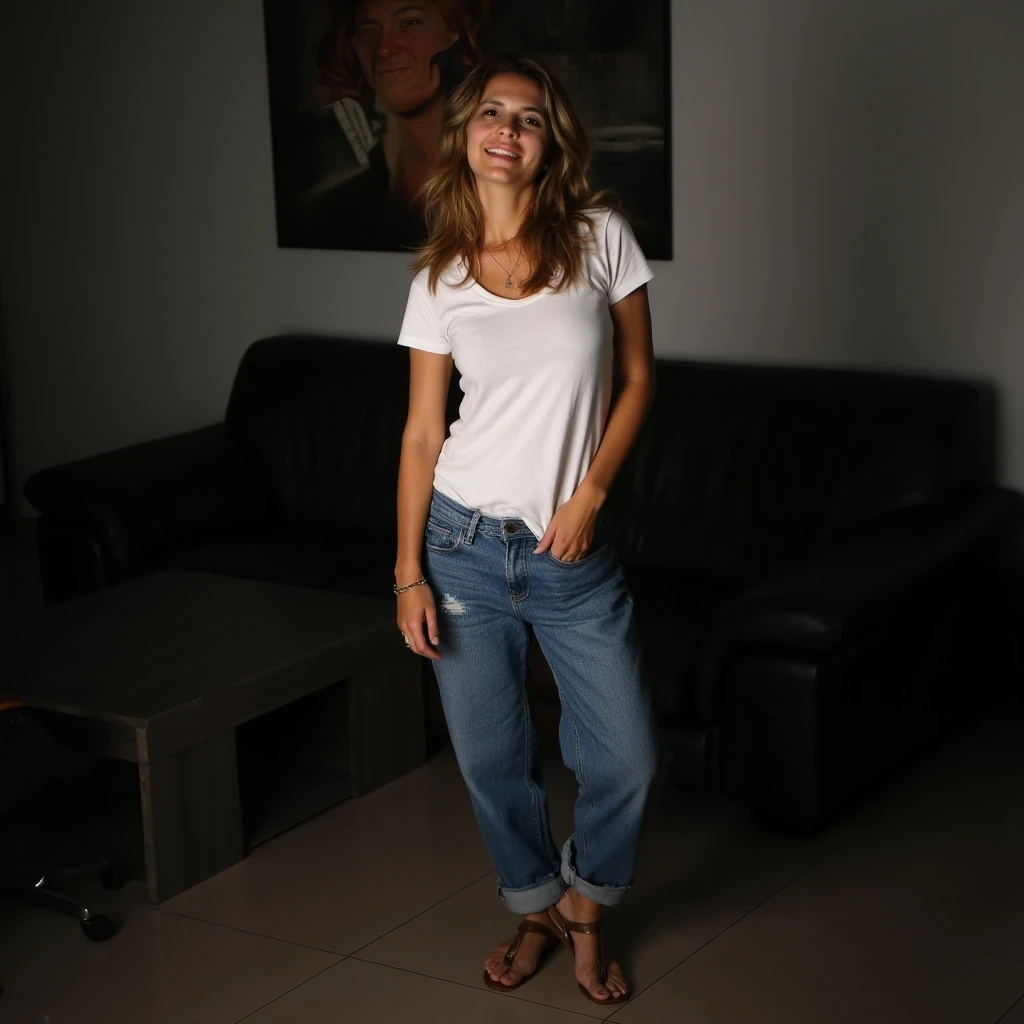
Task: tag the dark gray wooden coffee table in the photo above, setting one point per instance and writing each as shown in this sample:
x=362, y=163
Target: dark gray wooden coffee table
x=163, y=669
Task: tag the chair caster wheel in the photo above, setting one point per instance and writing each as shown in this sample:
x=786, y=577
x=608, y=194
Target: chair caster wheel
x=113, y=876
x=98, y=928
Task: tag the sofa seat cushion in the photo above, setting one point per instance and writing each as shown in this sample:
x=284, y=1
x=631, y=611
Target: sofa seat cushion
x=303, y=556
x=674, y=617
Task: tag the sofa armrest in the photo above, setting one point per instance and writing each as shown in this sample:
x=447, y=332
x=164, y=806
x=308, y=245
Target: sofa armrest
x=826, y=678
x=826, y=601
x=139, y=500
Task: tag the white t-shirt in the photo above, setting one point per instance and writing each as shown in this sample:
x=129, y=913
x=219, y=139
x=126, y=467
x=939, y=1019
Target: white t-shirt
x=536, y=378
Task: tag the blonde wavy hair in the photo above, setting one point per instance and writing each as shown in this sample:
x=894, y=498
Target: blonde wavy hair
x=557, y=231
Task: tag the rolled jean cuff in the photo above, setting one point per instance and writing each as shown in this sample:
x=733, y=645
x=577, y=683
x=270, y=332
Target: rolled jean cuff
x=606, y=895
x=533, y=898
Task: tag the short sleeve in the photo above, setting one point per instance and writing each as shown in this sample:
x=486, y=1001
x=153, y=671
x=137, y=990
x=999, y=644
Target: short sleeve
x=421, y=326
x=627, y=267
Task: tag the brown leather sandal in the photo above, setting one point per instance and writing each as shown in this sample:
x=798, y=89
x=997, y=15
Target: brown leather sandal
x=526, y=925
x=563, y=927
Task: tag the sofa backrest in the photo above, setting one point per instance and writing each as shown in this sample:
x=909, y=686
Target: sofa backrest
x=742, y=470
x=324, y=418
x=739, y=470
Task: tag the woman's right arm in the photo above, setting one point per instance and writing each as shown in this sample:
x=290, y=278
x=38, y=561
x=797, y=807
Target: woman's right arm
x=422, y=439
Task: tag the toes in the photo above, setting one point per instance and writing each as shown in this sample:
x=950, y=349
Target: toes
x=613, y=987
x=497, y=970
x=595, y=987
x=511, y=976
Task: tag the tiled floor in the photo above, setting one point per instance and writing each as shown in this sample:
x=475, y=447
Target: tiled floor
x=382, y=909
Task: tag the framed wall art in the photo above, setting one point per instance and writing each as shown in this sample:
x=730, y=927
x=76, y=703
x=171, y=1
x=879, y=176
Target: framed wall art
x=357, y=91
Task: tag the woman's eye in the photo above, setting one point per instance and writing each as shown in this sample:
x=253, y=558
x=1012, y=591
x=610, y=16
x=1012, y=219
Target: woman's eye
x=531, y=120
x=410, y=22
x=487, y=113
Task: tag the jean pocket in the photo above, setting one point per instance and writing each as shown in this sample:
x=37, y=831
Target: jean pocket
x=440, y=537
x=593, y=553
x=599, y=545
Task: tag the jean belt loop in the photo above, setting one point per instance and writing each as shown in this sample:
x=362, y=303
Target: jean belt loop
x=471, y=529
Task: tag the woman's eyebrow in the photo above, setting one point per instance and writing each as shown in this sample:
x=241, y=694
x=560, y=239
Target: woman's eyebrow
x=366, y=20
x=498, y=103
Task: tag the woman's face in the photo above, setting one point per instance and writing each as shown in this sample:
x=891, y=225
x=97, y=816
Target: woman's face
x=395, y=43
x=507, y=138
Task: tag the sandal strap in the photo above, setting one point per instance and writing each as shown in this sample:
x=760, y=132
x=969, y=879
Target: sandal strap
x=582, y=928
x=526, y=926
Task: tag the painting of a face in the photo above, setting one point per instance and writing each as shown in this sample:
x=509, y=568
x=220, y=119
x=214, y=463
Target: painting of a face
x=358, y=92
x=396, y=42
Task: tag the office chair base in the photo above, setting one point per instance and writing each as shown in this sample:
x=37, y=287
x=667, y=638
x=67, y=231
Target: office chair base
x=97, y=927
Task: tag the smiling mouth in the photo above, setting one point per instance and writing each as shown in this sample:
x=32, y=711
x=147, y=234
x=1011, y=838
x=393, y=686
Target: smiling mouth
x=393, y=71
x=508, y=154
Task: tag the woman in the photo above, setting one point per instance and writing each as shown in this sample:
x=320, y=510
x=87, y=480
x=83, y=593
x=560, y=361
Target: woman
x=537, y=292
x=385, y=68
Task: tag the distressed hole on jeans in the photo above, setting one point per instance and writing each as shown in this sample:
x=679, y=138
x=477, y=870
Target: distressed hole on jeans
x=452, y=605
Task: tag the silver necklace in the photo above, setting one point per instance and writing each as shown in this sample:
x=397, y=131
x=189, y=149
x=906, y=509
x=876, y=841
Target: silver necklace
x=508, y=279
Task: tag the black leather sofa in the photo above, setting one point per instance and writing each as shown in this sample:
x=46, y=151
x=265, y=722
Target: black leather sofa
x=817, y=555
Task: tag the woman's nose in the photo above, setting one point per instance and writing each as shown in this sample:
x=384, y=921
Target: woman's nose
x=385, y=44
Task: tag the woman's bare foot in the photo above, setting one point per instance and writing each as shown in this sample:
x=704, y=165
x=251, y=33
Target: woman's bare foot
x=525, y=962
x=575, y=907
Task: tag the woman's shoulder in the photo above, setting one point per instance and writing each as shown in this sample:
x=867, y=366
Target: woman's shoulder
x=421, y=281
x=452, y=276
x=601, y=218
x=605, y=225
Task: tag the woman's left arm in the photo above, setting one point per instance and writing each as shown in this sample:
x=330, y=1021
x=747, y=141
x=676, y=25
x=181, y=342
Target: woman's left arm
x=573, y=523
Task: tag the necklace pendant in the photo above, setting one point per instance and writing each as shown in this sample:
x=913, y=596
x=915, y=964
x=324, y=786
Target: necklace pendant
x=508, y=282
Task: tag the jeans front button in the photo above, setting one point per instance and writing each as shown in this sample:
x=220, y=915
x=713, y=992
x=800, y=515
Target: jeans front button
x=511, y=528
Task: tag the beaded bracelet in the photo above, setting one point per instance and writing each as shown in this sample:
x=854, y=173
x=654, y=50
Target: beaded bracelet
x=402, y=590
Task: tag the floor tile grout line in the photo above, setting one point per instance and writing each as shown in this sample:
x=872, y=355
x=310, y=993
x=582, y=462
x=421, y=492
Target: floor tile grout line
x=473, y=988
x=245, y=931
x=716, y=936
x=426, y=910
x=692, y=953
x=289, y=991
x=945, y=945
x=1010, y=1009
x=758, y=906
x=303, y=945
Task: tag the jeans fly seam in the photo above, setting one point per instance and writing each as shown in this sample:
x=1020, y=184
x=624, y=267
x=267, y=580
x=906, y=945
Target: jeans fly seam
x=516, y=601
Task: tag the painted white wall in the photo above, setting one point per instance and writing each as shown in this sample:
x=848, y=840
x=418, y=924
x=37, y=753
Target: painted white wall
x=849, y=190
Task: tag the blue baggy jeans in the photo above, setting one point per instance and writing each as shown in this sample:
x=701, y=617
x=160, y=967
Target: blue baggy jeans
x=491, y=591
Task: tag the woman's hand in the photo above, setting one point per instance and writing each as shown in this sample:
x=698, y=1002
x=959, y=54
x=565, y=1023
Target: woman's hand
x=416, y=609
x=571, y=530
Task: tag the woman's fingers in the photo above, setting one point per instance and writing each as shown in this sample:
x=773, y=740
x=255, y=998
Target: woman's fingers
x=413, y=633
x=420, y=644
x=420, y=612
x=432, y=634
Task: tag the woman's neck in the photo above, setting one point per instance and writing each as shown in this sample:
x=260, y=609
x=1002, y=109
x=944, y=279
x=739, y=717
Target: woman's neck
x=504, y=209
